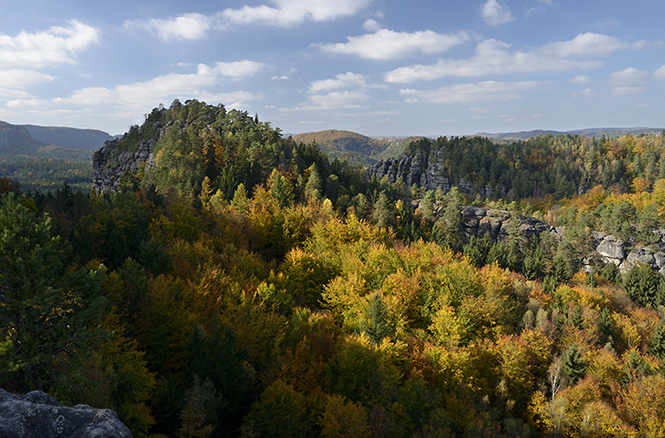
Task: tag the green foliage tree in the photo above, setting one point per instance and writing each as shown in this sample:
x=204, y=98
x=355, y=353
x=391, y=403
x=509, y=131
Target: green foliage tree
x=573, y=367
x=44, y=307
x=376, y=323
x=641, y=282
x=383, y=215
x=280, y=412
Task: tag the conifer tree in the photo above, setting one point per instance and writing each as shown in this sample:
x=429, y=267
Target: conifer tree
x=573, y=367
x=44, y=308
x=383, y=215
x=376, y=324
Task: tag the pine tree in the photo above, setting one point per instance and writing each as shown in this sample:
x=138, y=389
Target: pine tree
x=313, y=186
x=605, y=326
x=383, y=215
x=573, y=367
x=657, y=342
x=44, y=308
x=376, y=324
x=240, y=201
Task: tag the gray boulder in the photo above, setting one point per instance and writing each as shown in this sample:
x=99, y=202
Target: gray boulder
x=611, y=247
x=38, y=415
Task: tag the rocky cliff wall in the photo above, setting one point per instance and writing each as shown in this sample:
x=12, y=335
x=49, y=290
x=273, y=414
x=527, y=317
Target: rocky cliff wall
x=109, y=165
x=605, y=248
x=38, y=415
x=427, y=172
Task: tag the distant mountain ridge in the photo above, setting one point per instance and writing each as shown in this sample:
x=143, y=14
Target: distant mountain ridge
x=589, y=132
x=90, y=139
x=355, y=148
x=17, y=140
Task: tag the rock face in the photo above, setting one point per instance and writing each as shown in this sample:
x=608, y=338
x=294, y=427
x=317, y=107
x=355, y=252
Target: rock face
x=109, y=165
x=606, y=247
x=425, y=171
x=38, y=415
x=478, y=221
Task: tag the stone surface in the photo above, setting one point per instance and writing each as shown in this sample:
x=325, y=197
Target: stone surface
x=426, y=171
x=109, y=165
x=38, y=415
x=610, y=247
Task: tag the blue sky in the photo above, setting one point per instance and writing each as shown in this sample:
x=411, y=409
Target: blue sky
x=377, y=67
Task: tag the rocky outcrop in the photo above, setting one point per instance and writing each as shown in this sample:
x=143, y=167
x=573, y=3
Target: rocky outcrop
x=426, y=171
x=625, y=255
x=478, y=221
x=38, y=415
x=109, y=165
x=606, y=248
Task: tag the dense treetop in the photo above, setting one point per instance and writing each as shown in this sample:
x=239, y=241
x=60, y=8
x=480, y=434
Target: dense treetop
x=245, y=285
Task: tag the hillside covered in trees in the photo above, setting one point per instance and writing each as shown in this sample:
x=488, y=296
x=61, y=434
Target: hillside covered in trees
x=353, y=147
x=237, y=283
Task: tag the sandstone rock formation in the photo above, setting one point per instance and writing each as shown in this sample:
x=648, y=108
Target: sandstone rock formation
x=109, y=165
x=606, y=247
x=38, y=415
x=426, y=171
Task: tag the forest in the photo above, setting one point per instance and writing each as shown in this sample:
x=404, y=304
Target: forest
x=245, y=285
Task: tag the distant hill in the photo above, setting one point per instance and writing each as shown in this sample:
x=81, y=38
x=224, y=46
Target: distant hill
x=90, y=139
x=17, y=140
x=355, y=148
x=591, y=132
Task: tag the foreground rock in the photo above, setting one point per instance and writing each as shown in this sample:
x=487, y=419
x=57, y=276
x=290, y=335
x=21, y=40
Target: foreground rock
x=38, y=415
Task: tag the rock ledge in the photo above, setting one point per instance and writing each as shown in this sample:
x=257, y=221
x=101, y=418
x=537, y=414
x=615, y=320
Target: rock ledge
x=38, y=415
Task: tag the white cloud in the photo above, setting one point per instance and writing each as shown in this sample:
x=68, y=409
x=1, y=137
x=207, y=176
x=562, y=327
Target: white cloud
x=239, y=69
x=591, y=44
x=387, y=44
x=335, y=100
x=493, y=57
x=57, y=45
x=486, y=91
x=371, y=25
x=341, y=81
x=539, y=8
x=495, y=14
x=587, y=92
x=626, y=90
x=581, y=79
x=660, y=73
x=191, y=26
x=134, y=97
x=628, y=77
x=21, y=79
x=286, y=13
x=28, y=103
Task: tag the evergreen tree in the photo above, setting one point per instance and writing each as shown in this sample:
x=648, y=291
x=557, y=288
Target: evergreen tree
x=383, y=214
x=240, y=200
x=605, y=326
x=573, y=367
x=376, y=324
x=657, y=342
x=427, y=206
x=314, y=185
x=280, y=189
x=44, y=308
x=641, y=283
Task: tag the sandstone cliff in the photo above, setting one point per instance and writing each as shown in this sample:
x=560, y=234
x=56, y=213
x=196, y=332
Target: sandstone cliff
x=37, y=415
x=605, y=248
x=109, y=165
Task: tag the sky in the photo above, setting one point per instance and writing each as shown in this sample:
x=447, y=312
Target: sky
x=376, y=67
